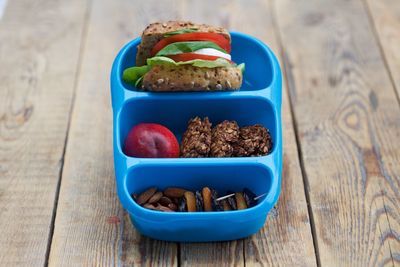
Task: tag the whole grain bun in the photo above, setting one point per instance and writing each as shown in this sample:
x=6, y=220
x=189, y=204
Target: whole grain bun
x=189, y=78
x=155, y=31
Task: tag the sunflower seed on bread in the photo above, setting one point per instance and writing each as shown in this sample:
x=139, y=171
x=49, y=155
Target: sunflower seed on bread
x=189, y=78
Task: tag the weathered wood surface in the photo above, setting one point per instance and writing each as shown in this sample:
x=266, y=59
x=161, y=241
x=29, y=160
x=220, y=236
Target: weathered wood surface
x=286, y=239
x=39, y=52
x=386, y=20
x=348, y=122
x=91, y=227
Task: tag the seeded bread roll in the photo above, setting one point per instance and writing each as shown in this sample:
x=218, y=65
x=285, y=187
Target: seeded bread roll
x=155, y=32
x=189, y=78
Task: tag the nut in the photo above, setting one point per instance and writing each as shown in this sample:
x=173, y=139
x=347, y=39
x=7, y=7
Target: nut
x=206, y=193
x=146, y=195
x=174, y=192
x=240, y=201
x=226, y=205
x=162, y=208
x=165, y=201
x=149, y=206
x=175, y=200
x=172, y=206
x=190, y=201
x=156, y=197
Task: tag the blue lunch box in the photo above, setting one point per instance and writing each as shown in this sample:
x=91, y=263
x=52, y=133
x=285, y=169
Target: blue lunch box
x=258, y=101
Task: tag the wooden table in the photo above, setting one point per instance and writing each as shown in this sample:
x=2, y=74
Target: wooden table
x=341, y=118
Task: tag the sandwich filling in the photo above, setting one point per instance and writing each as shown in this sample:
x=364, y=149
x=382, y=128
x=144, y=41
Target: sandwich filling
x=186, y=46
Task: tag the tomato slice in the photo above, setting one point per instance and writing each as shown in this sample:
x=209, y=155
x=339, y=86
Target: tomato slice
x=192, y=56
x=217, y=38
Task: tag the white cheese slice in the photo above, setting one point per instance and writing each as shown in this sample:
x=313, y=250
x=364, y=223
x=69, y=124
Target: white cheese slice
x=212, y=52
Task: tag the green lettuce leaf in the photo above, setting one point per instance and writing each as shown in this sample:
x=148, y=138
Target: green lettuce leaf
x=187, y=30
x=241, y=66
x=138, y=82
x=201, y=63
x=187, y=47
x=134, y=75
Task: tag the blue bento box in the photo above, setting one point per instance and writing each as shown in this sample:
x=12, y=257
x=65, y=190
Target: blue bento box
x=258, y=101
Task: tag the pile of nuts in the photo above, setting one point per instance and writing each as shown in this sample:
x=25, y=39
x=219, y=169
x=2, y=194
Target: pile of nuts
x=182, y=200
x=226, y=139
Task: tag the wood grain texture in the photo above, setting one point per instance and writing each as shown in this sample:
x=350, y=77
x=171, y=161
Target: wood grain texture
x=286, y=238
x=39, y=51
x=91, y=227
x=348, y=122
x=386, y=19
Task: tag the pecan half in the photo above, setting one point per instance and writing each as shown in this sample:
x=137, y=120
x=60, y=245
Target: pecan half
x=146, y=195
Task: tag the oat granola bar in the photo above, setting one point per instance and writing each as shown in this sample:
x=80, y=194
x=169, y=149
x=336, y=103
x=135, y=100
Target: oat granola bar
x=253, y=141
x=224, y=135
x=196, y=141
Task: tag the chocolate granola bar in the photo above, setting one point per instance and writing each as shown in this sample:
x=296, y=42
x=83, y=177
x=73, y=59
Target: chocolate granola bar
x=224, y=135
x=253, y=141
x=196, y=141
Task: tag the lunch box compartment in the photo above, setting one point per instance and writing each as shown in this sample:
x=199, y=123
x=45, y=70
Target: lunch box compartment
x=174, y=113
x=257, y=102
x=221, y=177
x=259, y=72
x=258, y=59
x=195, y=226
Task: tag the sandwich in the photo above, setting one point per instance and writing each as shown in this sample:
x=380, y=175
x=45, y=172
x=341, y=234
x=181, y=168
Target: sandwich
x=184, y=56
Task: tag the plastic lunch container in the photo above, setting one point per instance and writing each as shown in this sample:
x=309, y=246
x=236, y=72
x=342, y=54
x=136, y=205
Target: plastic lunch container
x=258, y=101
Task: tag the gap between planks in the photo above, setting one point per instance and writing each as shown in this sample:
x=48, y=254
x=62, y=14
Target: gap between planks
x=299, y=139
x=381, y=50
x=290, y=82
x=76, y=79
x=371, y=21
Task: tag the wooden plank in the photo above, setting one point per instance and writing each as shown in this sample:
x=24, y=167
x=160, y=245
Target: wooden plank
x=386, y=19
x=348, y=122
x=39, y=53
x=91, y=227
x=286, y=238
